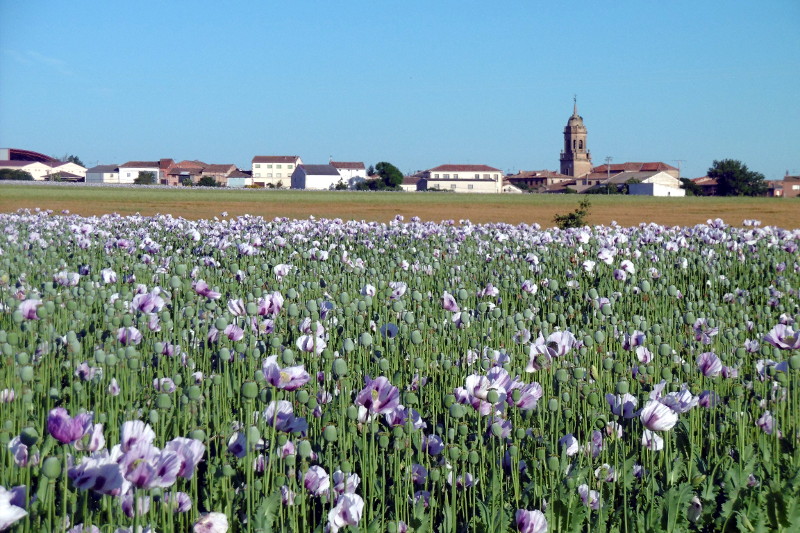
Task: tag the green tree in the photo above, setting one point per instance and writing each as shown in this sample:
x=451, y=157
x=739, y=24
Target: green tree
x=389, y=174
x=576, y=219
x=71, y=158
x=145, y=177
x=15, y=175
x=735, y=179
x=691, y=188
x=370, y=170
x=207, y=181
x=340, y=185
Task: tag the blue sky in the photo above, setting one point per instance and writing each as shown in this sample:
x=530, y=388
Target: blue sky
x=416, y=83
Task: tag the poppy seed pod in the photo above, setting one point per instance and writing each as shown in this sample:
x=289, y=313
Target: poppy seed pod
x=51, y=467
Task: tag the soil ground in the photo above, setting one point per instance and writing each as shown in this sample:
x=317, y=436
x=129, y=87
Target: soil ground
x=382, y=207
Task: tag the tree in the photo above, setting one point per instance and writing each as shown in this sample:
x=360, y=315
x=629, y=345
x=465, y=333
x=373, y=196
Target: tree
x=389, y=174
x=15, y=175
x=370, y=170
x=735, y=179
x=574, y=219
x=340, y=185
x=207, y=181
x=145, y=177
x=72, y=159
x=691, y=188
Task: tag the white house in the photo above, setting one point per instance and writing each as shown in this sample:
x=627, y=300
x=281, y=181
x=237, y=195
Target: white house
x=37, y=169
x=69, y=168
x=654, y=189
x=315, y=177
x=238, y=179
x=103, y=174
x=274, y=170
x=352, y=172
x=129, y=171
x=462, y=178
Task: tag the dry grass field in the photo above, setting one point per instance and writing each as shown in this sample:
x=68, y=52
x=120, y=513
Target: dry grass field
x=512, y=209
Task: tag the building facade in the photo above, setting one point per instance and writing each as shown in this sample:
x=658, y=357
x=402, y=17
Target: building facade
x=274, y=170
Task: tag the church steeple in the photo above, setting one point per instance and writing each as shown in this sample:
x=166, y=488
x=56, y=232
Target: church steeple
x=576, y=160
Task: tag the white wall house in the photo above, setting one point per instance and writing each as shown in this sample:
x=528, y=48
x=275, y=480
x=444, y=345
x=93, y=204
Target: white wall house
x=130, y=170
x=315, y=177
x=352, y=172
x=103, y=174
x=38, y=170
x=69, y=167
x=462, y=178
x=272, y=170
x=654, y=189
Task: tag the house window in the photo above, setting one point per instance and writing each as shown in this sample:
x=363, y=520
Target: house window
x=277, y=166
x=258, y=165
x=447, y=176
x=455, y=176
x=436, y=176
x=796, y=187
x=269, y=166
x=289, y=166
x=269, y=174
x=258, y=174
x=453, y=186
x=470, y=186
x=477, y=176
x=128, y=175
x=486, y=176
x=278, y=175
x=495, y=176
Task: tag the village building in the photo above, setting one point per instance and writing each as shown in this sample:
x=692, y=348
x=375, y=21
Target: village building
x=351, y=172
x=274, y=170
x=103, y=174
x=791, y=186
x=576, y=159
x=315, y=177
x=462, y=178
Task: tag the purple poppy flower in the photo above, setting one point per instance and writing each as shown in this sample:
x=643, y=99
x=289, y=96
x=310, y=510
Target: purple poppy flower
x=590, y=498
x=462, y=481
x=347, y=512
x=281, y=415
x=389, y=331
x=145, y=466
x=643, y=354
x=113, y=387
x=134, y=432
x=29, y=307
x=289, y=378
x=709, y=364
x=281, y=271
x=622, y=405
x=108, y=275
x=368, y=290
x=449, y=303
x=345, y=484
x=418, y=474
x=530, y=394
x=202, y=288
x=211, y=523
x=234, y=332
x=378, y=396
x=80, y=528
x=11, y=509
x=7, y=395
x=570, y=443
x=656, y=416
x=179, y=501
x=708, y=398
x=129, y=336
x=127, y=504
x=489, y=290
x=680, y=401
x=316, y=481
x=93, y=440
x=783, y=337
x=311, y=344
x=66, y=429
x=530, y=521
x=432, y=444
x=767, y=423
x=19, y=451
x=67, y=279
x=398, y=289
x=529, y=286
x=652, y=440
x=100, y=473
x=149, y=302
x=86, y=372
x=189, y=451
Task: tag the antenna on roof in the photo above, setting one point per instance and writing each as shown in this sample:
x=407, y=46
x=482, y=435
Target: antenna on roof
x=679, y=161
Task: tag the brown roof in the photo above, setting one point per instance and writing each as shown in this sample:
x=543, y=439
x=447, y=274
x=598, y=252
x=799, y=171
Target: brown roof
x=705, y=180
x=411, y=180
x=634, y=167
x=350, y=165
x=219, y=168
x=190, y=164
x=538, y=174
x=464, y=168
x=275, y=158
x=140, y=164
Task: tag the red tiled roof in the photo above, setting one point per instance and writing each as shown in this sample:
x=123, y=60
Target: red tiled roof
x=190, y=164
x=275, y=158
x=634, y=167
x=464, y=168
x=527, y=174
x=219, y=168
x=140, y=164
x=349, y=165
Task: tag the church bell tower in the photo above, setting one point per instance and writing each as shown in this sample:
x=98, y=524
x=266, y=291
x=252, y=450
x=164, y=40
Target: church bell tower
x=576, y=160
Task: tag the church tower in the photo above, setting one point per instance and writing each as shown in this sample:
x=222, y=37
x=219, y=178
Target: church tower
x=576, y=160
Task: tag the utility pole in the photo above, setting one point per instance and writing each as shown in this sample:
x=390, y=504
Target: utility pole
x=608, y=171
x=679, y=161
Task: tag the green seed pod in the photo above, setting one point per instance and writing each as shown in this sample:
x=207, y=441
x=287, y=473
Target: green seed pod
x=622, y=387
x=365, y=339
x=339, y=368
x=51, y=467
x=29, y=436
x=163, y=401
x=302, y=396
x=304, y=449
x=562, y=375
x=463, y=429
x=454, y=452
x=249, y=390
x=519, y=433
x=435, y=475
x=553, y=464
x=552, y=404
x=794, y=362
x=329, y=434
x=449, y=400
x=348, y=345
x=410, y=398
x=22, y=358
x=492, y=396
x=312, y=403
x=383, y=441
x=666, y=373
x=593, y=399
x=457, y=410
x=198, y=434
x=565, y=397
x=497, y=430
x=26, y=374
x=618, y=368
x=352, y=412
x=608, y=363
x=153, y=417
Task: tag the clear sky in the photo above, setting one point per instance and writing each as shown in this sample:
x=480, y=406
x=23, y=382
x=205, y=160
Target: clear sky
x=418, y=83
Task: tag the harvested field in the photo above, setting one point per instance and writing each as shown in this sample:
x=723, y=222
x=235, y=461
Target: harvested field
x=513, y=209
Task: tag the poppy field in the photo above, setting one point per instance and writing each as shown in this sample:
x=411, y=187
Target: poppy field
x=243, y=374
